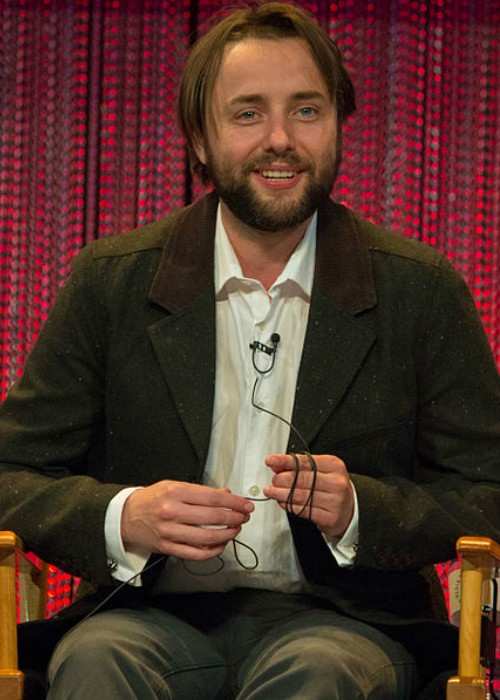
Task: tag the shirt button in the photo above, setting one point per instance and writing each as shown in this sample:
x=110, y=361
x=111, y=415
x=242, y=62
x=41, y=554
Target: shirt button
x=254, y=490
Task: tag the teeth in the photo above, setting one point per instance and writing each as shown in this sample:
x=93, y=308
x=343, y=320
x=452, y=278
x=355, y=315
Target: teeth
x=278, y=174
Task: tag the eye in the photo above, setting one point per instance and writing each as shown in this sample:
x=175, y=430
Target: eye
x=307, y=112
x=247, y=116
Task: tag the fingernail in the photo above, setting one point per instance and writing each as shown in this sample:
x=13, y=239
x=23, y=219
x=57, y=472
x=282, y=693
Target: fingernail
x=249, y=507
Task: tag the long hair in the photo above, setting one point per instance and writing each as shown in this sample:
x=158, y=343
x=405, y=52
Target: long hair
x=273, y=20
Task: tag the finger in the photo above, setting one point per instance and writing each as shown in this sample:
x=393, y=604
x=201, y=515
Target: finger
x=290, y=462
x=322, y=481
x=196, y=494
x=324, y=512
x=324, y=519
x=283, y=462
x=301, y=496
x=184, y=551
x=331, y=503
x=301, y=479
x=194, y=536
x=202, y=515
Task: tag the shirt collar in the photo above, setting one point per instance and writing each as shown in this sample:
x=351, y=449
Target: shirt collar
x=299, y=268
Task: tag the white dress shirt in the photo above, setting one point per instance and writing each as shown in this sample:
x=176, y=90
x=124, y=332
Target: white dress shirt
x=241, y=434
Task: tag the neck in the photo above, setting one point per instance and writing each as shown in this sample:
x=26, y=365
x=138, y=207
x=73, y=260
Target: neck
x=262, y=255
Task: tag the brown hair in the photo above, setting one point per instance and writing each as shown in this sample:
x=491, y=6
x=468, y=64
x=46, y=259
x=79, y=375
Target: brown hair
x=273, y=20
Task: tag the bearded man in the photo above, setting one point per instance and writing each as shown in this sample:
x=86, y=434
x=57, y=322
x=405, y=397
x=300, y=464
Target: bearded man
x=267, y=416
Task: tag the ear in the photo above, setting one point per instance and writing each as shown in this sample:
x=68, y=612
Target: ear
x=199, y=149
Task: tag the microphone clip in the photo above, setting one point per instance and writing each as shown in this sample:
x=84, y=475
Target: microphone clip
x=268, y=350
x=262, y=347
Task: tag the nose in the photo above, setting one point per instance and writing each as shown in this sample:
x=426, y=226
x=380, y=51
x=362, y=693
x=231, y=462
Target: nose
x=280, y=135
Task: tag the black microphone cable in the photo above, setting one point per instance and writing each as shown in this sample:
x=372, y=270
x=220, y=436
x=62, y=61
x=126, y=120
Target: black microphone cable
x=275, y=339
x=289, y=504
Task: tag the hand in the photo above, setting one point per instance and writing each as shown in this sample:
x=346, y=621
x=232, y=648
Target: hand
x=173, y=517
x=333, y=499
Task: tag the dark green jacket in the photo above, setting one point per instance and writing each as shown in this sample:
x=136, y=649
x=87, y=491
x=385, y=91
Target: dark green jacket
x=396, y=378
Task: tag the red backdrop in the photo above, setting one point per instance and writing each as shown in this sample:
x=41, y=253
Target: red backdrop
x=89, y=144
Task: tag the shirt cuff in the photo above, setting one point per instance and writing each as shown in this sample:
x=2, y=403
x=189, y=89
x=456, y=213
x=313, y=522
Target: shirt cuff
x=344, y=548
x=123, y=565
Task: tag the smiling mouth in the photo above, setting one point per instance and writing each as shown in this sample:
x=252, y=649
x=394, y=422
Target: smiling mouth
x=278, y=174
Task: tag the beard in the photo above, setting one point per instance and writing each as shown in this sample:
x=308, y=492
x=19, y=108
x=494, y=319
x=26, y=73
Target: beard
x=273, y=213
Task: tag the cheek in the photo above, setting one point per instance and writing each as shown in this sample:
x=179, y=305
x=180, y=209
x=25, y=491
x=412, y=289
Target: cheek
x=240, y=144
x=317, y=139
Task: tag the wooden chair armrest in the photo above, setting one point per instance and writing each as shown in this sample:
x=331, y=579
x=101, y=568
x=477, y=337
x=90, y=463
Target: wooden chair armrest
x=480, y=557
x=11, y=679
x=471, y=546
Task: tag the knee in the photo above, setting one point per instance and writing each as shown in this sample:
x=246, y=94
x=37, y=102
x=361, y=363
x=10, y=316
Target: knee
x=335, y=672
x=88, y=651
x=134, y=655
x=323, y=661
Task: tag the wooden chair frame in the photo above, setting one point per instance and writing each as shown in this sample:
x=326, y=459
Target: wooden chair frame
x=20, y=582
x=480, y=558
x=480, y=561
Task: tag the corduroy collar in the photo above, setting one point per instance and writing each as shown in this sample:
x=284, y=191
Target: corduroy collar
x=343, y=267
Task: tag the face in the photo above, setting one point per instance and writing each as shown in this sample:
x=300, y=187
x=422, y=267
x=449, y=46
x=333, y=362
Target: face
x=271, y=146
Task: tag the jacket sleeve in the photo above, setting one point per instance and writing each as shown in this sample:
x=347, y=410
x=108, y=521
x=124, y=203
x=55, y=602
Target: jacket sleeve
x=51, y=421
x=456, y=490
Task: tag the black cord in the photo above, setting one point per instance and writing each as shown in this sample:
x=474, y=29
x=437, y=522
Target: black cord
x=116, y=590
x=221, y=560
x=307, y=453
x=289, y=504
x=492, y=661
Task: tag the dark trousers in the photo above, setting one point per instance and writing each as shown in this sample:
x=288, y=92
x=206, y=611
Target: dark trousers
x=246, y=645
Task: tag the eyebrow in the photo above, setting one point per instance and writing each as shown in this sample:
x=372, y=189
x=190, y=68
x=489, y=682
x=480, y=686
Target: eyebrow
x=259, y=99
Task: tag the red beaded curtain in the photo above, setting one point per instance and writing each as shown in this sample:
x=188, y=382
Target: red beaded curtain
x=89, y=145
x=88, y=141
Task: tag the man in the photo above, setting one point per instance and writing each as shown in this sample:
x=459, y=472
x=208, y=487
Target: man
x=154, y=414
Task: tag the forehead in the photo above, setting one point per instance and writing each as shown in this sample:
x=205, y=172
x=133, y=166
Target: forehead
x=267, y=67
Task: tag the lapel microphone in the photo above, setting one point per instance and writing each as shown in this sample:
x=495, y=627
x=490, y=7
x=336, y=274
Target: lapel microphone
x=256, y=346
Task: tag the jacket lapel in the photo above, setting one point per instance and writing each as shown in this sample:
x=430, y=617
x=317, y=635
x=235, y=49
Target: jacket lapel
x=184, y=344
x=339, y=334
x=184, y=340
